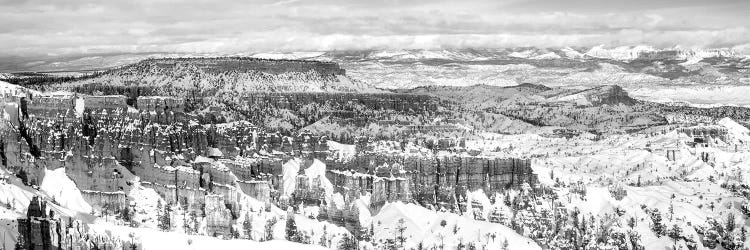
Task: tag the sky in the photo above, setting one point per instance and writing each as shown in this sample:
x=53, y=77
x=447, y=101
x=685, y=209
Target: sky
x=39, y=28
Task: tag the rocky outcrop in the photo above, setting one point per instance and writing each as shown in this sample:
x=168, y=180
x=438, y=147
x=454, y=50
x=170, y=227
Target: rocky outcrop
x=107, y=144
x=437, y=181
x=218, y=217
x=43, y=229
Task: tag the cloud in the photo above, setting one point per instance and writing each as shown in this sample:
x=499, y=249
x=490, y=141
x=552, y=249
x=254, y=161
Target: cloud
x=77, y=27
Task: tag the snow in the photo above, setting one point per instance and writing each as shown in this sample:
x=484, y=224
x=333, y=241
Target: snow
x=624, y=53
x=290, y=170
x=289, y=56
x=154, y=239
x=735, y=130
x=522, y=54
x=698, y=95
x=423, y=225
x=342, y=151
x=578, y=99
x=549, y=55
x=64, y=191
x=12, y=89
x=145, y=202
x=317, y=170
x=571, y=53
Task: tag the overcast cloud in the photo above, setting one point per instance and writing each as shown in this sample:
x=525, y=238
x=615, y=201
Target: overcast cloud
x=67, y=27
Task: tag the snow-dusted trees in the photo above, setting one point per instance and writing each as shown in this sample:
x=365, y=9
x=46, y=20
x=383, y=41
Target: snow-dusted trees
x=366, y=233
x=324, y=240
x=292, y=234
x=247, y=226
x=730, y=222
x=400, y=229
x=675, y=232
x=347, y=242
x=657, y=225
x=125, y=214
x=635, y=240
x=164, y=218
x=269, y=228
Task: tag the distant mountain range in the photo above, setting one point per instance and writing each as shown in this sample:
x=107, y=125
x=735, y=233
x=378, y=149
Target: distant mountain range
x=104, y=61
x=673, y=75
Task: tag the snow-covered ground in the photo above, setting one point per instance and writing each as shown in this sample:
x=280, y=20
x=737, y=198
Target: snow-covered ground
x=686, y=190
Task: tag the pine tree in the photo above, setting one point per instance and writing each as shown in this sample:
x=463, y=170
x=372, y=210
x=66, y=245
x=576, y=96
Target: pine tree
x=164, y=220
x=671, y=210
x=247, y=226
x=631, y=222
x=364, y=234
x=731, y=224
x=400, y=229
x=347, y=243
x=675, y=233
x=639, y=181
x=324, y=237
x=291, y=229
x=657, y=227
x=635, y=240
x=269, y=228
x=125, y=214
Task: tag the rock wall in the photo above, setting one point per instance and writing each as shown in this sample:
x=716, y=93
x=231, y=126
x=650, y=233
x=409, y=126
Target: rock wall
x=218, y=217
x=111, y=143
x=42, y=229
x=436, y=180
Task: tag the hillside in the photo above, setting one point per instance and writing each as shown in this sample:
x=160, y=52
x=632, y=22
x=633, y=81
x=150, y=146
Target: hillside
x=206, y=75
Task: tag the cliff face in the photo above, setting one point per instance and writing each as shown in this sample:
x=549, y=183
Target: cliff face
x=436, y=181
x=204, y=77
x=43, y=229
x=104, y=144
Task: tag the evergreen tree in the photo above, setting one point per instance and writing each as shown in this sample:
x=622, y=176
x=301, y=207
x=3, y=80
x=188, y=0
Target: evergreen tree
x=675, y=232
x=291, y=229
x=731, y=224
x=631, y=222
x=657, y=226
x=164, y=220
x=671, y=210
x=639, y=181
x=635, y=240
x=347, y=242
x=400, y=229
x=324, y=237
x=247, y=226
x=269, y=228
x=125, y=214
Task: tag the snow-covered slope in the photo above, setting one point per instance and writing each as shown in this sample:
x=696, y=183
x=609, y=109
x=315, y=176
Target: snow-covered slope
x=423, y=225
x=64, y=191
